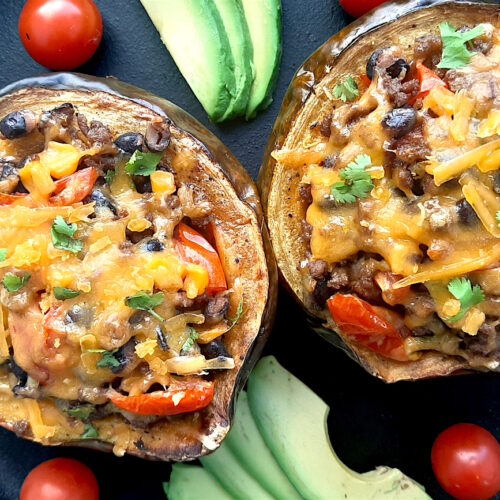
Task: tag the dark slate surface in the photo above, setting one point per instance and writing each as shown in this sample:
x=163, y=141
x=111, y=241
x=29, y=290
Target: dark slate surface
x=370, y=423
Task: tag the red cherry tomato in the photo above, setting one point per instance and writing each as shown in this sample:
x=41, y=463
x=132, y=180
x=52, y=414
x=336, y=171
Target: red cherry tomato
x=75, y=187
x=60, y=479
x=357, y=8
x=466, y=462
x=60, y=34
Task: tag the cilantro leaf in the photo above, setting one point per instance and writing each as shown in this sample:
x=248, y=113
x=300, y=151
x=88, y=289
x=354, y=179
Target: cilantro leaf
x=108, y=360
x=110, y=176
x=193, y=337
x=90, y=432
x=455, y=52
x=3, y=254
x=61, y=293
x=145, y=302
x=468, y=295
x=63, y=236
x=356, y=181
x=347, y=91
x=81, y=412
x=13, y=283
x=143, y=163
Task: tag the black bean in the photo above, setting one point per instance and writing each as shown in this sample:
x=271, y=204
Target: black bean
x=103, y=201
x=17, y=124
x=153, y=245
x=372, y=62
x=8, y=169
x=136, y=236
x=130, y=142
x=158, y=136
x=125, y=355
x=142, y=184
x=161, y=338
x=321, y=293
x=214, y=349
x=398, y=68
x=79, y=315
x=137, y=318
x=466, y=213
x=398, y=122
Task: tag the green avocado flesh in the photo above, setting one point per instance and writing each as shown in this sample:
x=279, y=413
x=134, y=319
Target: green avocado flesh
x=264, y=22
x=293, y=422
x=189, y=482
x=279, y=448
x=233, y=17
x=194, y=34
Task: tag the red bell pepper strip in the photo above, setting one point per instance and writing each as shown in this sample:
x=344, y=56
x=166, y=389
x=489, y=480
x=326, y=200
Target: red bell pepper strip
x=428, y=80
x=74, y=187
x=360, y=321
x=195, y=249
x=365, y=81
x=16, y=199
x=183, y=399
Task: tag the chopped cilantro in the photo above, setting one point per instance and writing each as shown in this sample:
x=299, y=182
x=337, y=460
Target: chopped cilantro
x=143, y=163
x=193, y=337
x=3, y=254
x=145, y=302
x=347, y=91
x=90, y=432
x=108, y=359
x=468, y=295
x=13, y=283
x=455, y=52
x=356, y=181
x=81, y=412
x=110, y=176
x=61, y=293
x=63, y=236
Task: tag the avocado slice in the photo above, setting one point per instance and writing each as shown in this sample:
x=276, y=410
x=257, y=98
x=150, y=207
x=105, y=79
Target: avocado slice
x=265, y=25
x=247, y=445
x=233, y=17
x=190, y=482
x=194, y=34
x=230, y=473
x=293, y=422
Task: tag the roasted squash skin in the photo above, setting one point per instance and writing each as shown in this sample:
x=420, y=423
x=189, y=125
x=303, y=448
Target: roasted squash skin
x=248, y=259
x=304, y=108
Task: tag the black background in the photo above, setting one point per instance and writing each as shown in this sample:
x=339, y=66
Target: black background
x=370, y=423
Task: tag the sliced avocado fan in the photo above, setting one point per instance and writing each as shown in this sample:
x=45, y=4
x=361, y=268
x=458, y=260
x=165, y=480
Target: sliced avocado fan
x=194, y=34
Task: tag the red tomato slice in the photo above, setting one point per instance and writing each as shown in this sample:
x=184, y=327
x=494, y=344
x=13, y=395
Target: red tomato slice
x=53, y=325
x=75, y=187
x=187, y=398
x=60, y=479
x=195, y=249
x=466, y=461
x=428, y=80
x=357, y=8
x=359, y=320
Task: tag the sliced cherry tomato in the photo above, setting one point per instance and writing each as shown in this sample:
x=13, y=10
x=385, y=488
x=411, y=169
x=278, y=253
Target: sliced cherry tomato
x=183, y=399
x=53, y=325
x=392, y=296
x=365, y=81
x=75, y=187
x=16, y=199
x=466, y=461
x=60, y=34
x=60, y=479
x=361, y=321
x=357, y=8
x=195, y=249
x=428, y=80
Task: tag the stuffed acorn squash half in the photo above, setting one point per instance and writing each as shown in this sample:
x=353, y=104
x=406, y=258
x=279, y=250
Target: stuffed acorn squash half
x=135, y=293
x=381, y=187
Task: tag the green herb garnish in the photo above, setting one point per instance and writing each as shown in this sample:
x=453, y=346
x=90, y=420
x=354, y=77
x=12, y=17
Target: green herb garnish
x=3, y=254
x=61, y=293
x=455, y=51
x=110, y=176
x=63, y=236
x=239, y=314
x=143, y=163
x=81, y=412
x=108, y=359
x=468, y=295
x=145, y=302
x=90, y=432
x=347, y=91
x=356, y=181
x=193, y=337
x=13, y=283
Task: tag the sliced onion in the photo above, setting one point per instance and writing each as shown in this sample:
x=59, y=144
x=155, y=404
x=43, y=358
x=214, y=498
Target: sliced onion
x=189, y=365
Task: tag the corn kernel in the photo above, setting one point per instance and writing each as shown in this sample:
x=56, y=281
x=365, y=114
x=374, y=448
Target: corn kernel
x=196, y=281
x=167, y=271
x=146, y=348
x=474, y=319
x=451, y=307
x=138, y=224
x=100, y=244
x=60, y=159
x=162, y=182
x=37, y=180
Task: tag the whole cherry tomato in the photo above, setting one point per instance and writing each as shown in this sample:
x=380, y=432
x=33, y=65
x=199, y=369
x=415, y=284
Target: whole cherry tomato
x=357, y=8
x=466, y=461
x=60, y=479
x=60, y=34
